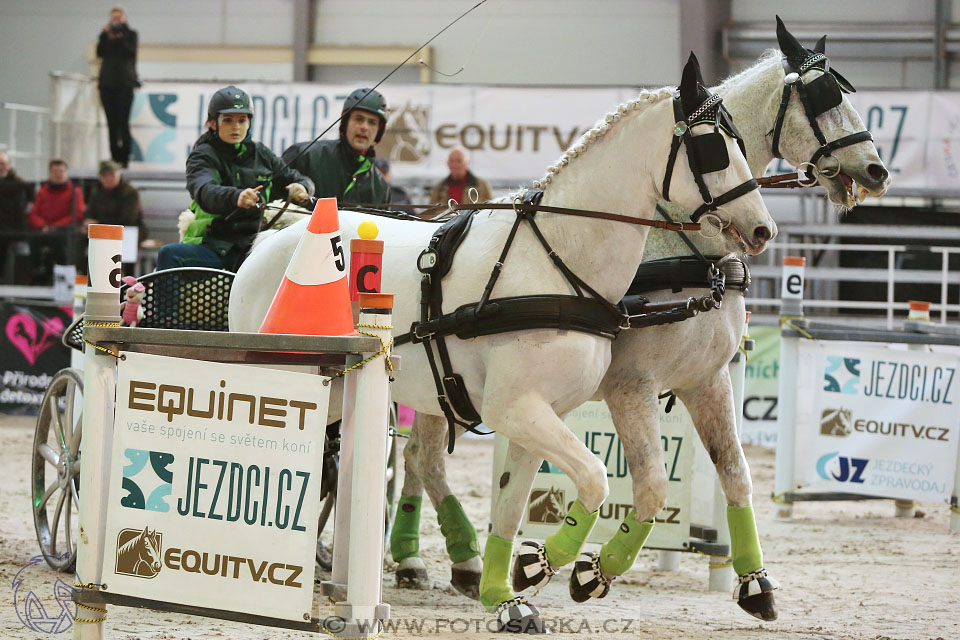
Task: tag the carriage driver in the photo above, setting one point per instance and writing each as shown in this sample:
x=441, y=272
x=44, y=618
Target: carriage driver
x=343, y=169
x=227, y=173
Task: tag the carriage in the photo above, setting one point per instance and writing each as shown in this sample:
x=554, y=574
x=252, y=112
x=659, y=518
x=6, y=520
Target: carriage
x=189, y=298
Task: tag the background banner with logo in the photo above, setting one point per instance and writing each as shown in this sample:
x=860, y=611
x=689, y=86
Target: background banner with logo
x=214, y=485
x=876, y=421
x=31, y=353
x=689, y=473
x=513, y=133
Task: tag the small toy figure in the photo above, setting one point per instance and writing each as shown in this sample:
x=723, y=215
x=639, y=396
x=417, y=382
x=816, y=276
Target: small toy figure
x=131, y=309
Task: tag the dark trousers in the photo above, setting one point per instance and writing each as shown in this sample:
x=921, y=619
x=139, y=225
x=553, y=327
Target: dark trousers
x=116, y=103
x=172, y=256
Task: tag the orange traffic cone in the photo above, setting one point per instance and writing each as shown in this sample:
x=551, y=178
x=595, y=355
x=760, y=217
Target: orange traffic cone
x=313, y=298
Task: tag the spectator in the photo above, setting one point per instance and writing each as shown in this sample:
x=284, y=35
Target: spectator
x=117, y=49
x=343, y=169
x=457, y=185
x=114, y=200
x=14, y=193
x=58, y=203
x=226, y=175
x=398, y=195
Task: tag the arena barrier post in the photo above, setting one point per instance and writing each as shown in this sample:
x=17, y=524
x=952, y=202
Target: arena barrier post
x=362, y=612
x=99, y=382
x=791, y=295
x=919, y=312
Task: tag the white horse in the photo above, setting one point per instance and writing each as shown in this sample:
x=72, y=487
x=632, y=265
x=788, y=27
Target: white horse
x=514, y=378
x=689, y=357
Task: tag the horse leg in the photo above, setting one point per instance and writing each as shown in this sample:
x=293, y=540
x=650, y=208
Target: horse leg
x=429, y=463
x=514, y=614
x=636, y=416
x=411, y=572
x=531, y=423
x=712, y=408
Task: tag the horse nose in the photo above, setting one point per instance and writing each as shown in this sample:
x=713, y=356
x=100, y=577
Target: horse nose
x=878, y=172
x=762, y=233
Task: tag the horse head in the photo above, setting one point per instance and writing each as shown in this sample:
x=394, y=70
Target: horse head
x=722, y=194
x=149, y=548
x=817, y=100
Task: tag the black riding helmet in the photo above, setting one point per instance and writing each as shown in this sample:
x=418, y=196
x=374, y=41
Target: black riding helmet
x=229, y=100
x=368, y=100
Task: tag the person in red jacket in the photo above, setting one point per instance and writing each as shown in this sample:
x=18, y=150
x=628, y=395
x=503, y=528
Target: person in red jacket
x=58, y=203
x=58, y=206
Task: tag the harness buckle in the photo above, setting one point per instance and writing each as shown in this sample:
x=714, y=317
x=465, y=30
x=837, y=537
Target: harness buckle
x=420, y=335
x=427, y=260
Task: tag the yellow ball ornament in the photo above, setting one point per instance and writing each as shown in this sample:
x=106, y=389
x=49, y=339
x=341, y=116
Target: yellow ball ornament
x=368, y=230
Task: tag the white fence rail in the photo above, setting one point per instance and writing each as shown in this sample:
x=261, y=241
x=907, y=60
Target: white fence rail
x=817, y=277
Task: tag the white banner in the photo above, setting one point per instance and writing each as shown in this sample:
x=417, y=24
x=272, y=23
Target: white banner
x=214, y=486
x=512, y=134
x=876, y=421
x=689, y=489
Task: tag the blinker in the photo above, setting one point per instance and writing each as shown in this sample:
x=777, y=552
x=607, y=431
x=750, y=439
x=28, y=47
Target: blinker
x=824, y=93
x=710, y=150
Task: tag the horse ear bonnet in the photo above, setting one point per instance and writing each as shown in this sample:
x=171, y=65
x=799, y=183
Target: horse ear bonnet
x=825, y=91
x=708, y=151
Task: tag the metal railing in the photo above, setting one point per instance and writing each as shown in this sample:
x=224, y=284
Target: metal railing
x=14, y=112
x=890, y=275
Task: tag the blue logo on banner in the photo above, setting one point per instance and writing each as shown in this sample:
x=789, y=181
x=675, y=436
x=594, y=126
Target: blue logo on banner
x=146, y=477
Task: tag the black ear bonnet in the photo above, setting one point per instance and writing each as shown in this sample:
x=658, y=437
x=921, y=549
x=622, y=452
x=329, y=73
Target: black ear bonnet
x=824, y=92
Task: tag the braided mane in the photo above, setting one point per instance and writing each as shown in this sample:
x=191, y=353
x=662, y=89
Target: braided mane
x=600, y=129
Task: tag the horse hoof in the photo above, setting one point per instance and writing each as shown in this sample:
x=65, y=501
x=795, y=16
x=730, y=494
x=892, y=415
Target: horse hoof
x=518, y=616
x=412, y=578
x=754, y=594
x=466, y=582
x=531, y=568
x=587, y=581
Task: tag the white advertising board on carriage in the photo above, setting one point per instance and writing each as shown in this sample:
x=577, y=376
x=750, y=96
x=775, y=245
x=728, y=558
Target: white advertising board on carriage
x=880, y=422
x=214, y=485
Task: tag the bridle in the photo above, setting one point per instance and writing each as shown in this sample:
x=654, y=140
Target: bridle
x=706, y=153
x=817, y=97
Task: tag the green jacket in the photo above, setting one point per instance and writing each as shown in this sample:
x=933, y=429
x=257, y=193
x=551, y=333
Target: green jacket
x=340, y=172
x=216, y=174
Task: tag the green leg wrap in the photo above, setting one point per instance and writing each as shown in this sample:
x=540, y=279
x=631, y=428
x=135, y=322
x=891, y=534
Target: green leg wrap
x=405, y=536
x=564, y=545
x=494, y=587
x=619, y=553
x=460, y=535
x=744, y=541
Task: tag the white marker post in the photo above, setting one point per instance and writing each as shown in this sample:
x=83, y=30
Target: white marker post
x=791, y=295
x=99, y=382
x=363, y=610
x=919, y=311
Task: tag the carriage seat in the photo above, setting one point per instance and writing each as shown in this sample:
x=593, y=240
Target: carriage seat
x=187, y=298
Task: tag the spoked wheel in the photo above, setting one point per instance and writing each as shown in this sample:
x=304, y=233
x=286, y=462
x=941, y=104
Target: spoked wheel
x=55, y=469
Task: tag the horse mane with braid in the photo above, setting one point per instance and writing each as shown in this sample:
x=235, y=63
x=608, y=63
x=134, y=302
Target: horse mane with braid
x=601, y=128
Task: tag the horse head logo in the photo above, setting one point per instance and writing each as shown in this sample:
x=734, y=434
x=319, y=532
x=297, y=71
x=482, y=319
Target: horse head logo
x=407, y=138
x=836, y=422
x=546, y=505
x=138, y=552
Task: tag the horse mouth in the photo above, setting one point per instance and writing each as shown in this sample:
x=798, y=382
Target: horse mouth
x=744, y=246
x=845, y=191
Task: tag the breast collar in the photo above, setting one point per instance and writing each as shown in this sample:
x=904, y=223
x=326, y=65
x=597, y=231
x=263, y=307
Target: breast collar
x=817, y=97
x=706, y=153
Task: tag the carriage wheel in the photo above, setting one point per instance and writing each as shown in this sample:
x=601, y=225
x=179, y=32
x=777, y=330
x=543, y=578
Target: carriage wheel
x=55, y=469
